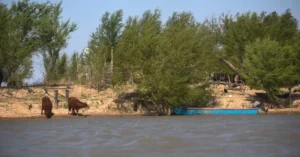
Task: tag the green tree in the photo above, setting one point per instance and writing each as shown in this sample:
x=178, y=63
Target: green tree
x=138, y=44
x=267, y=66
x=110, y=30
x=168, y=60
x=19, y=41
x=96, y=59
x=183, y=52
x=127, y=55
x=245, y=28
x=102, y=45
x=4, y=28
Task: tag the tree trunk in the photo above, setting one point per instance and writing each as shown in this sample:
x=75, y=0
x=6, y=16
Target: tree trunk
x=1, y=78
x=112, y=60
x=104, y=60
x=168, y=110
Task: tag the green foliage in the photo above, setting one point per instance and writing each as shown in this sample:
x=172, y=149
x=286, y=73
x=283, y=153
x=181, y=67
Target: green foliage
x=295, y=48
x=27, y=28
x=110, y=28
x=62, y=66
x=102, y=44
x=18, y=40
x=267, y=66
x=73, y=67
x=245, y=28
x=167, y=59
x=263, y=48
x=65, y=106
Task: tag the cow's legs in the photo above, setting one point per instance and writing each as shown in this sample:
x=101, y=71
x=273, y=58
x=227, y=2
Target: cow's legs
x=77, y=112
x=73, y=111
x=42, y=112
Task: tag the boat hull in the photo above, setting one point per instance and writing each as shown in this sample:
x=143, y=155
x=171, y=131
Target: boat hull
x=199, y=111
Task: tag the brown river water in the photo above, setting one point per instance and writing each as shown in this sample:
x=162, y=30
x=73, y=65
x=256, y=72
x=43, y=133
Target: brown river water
x=175, y=136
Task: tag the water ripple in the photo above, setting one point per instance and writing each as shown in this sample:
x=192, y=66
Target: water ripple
x=226, y=136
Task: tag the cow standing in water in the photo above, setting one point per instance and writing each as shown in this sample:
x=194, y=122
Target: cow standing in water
x=75, y=104
x=46, y=107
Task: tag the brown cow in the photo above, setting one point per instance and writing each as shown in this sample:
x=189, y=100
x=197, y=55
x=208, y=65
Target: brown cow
x=75, y=104
x=47, y=107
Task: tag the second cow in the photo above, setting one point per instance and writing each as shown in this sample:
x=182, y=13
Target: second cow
x=75, y=104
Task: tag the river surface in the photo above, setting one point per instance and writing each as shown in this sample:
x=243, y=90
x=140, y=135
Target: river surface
x=182, y=136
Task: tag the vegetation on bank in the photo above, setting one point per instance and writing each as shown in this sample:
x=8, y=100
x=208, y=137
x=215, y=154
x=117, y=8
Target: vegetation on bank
x=171, y=62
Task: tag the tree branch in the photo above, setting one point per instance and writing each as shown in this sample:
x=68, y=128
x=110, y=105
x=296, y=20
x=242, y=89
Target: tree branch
x=230, y=65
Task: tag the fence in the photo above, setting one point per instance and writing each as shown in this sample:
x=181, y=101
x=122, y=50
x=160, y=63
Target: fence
x=46, y=89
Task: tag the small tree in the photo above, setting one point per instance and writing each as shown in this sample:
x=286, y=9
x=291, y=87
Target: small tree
x=54, y=34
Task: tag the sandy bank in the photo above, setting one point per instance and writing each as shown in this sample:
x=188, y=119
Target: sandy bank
x=14, y=103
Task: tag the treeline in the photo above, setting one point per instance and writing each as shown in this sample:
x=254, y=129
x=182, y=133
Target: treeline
x=27, y=29
x=167, y=59
x=171, y=62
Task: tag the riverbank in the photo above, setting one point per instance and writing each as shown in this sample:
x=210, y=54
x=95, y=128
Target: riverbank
x=58, y=116
x=14, y=103
x=21, y=111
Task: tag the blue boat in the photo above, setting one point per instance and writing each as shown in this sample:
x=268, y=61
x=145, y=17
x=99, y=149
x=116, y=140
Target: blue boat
x=199, y=111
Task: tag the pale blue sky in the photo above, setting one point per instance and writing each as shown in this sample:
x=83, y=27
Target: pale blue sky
x=87, y=13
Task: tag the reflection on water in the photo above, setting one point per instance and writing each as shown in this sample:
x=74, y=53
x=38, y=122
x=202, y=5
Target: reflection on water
x=207, y=135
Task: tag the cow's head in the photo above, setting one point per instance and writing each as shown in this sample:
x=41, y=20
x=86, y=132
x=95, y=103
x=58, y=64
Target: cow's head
x=85, y=105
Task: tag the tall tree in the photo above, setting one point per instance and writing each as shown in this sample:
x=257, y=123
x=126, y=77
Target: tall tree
x=110, y=30
x=182, y=53
x=54, y=34
x=102, y=46
x=4, y=29
x=96, y=58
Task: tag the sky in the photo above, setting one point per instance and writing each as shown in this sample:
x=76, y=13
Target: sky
x=87, y=13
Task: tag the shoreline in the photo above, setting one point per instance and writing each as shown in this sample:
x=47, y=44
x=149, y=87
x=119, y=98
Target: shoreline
x=71, y=116
x=282, y=111
x=114, y=114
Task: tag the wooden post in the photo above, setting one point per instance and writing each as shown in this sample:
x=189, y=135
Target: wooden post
x=67, y=96
x=56, y=98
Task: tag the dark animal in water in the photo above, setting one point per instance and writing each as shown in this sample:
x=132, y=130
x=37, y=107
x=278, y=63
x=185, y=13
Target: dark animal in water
x=47, y=107
x=75, y=104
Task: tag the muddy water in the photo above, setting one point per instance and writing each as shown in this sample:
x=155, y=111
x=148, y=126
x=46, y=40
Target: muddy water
x=182, y=136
